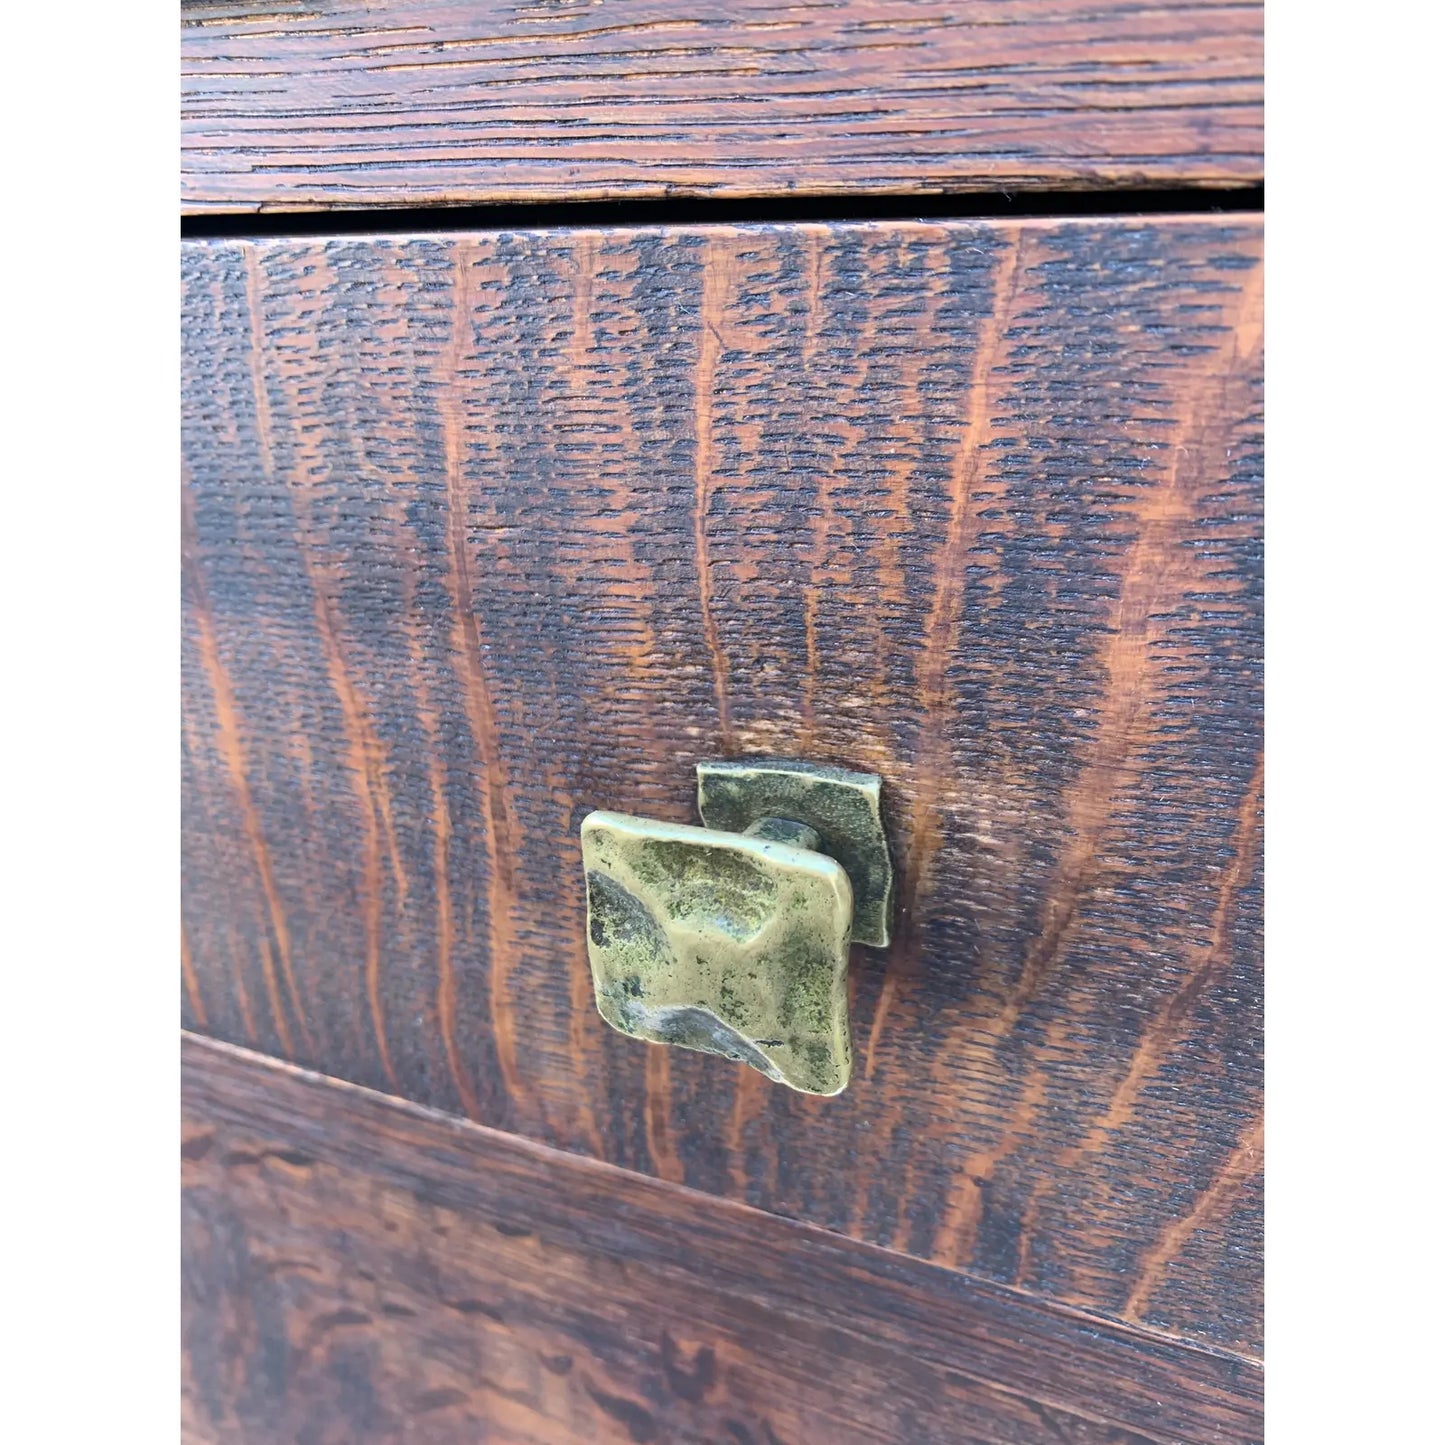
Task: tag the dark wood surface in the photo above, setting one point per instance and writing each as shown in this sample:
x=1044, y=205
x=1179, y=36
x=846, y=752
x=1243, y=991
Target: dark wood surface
x=358, y=1269
x=975, y=506
x=408, y=102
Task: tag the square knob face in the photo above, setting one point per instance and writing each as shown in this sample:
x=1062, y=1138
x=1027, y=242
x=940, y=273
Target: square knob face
x=728, y=944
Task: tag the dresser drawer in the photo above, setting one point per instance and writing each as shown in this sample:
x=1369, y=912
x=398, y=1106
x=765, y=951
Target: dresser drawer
x=486, y=531
x=339, y=103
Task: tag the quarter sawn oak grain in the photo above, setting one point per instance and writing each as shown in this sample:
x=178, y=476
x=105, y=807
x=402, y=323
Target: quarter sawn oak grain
x=414, y=102
x=358, y=1270
x=974, y=506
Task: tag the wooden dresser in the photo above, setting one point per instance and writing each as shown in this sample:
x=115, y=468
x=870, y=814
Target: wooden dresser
x=876, y=383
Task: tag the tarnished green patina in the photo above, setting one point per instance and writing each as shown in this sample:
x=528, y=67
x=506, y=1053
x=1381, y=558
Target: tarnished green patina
x=733, y=938
x=729, y=943
x=842, y=807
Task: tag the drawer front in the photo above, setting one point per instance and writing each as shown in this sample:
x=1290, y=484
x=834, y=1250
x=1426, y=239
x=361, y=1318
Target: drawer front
x=484, y=532
x=415, y=102
x=361, y=1270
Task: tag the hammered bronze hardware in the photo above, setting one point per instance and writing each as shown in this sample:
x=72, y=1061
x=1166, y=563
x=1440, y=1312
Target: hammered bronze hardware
x=733, y=938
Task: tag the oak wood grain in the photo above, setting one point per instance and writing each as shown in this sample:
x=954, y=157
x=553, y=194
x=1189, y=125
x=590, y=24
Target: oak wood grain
x=358, y=1269
x=485, y=532
x=409, y=102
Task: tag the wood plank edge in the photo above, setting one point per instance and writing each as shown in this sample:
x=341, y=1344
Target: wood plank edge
x=216, y=1072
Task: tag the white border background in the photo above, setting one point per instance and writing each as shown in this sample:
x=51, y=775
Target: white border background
x=89, y=525
x=1354, y=1024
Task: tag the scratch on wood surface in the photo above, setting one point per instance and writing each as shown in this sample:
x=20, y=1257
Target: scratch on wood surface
x=1152, y=577
x=822, y=523
x=1242, y=1165
x=1201, y=971
x=441, y=831
x=233, y=752
x=239, y=967
x=446, y=969
x=1152, y=574
x=467, y=650
x=192, y=983
x=582, y=1017
x=714, y=293
x=931, y=770
x=367, y=763
x=658, y=1114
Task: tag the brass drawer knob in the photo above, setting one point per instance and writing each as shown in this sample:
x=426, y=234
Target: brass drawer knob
x=733, y=938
